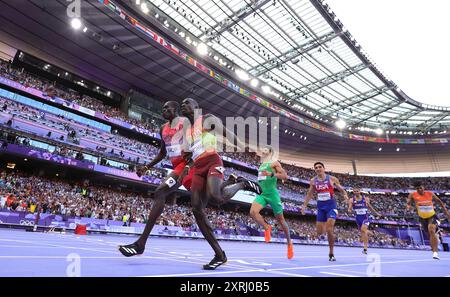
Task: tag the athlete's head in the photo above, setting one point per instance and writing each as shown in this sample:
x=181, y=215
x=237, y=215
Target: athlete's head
x=319, y=168
x=266, y=152
x=188, y=106
x=419, y=187
x=357, y=190
x=170, y=110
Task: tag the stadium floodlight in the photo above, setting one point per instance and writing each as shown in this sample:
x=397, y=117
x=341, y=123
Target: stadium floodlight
x=254, y=82
x=378, y=131
x=242, y=74
x=266, y=89
x=202, y=49
x=85, y=29
x=341, y=124
x=138, y=2
x=380, y=149
x=398, y=149
x=76, y=23
x=144, y=8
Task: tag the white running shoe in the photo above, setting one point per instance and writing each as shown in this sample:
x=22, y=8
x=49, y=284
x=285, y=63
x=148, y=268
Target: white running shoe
x=435, y=256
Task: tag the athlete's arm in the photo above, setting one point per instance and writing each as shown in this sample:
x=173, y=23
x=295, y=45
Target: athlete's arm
x=309, y=196
x=442, y=205
x=185, y=171
x=350, y=205
x=279, y=173
x=161, y=154
x=338, y=186
x=371, y=207
x=408, y=202
x=158, y=158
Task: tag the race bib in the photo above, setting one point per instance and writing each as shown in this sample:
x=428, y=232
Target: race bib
x=197, y=149
x=426, y=208
x=323, y=196
x=261, y=176
x=173, y=150
x=361, y=211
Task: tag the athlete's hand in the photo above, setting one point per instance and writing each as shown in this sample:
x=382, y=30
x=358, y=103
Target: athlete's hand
x=303, y=210
x=141, y=170
x=266, y=173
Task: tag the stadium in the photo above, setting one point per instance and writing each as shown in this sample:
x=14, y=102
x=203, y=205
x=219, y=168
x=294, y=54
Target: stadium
x=188, y=138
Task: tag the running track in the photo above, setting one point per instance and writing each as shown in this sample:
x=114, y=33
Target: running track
x=53, y=254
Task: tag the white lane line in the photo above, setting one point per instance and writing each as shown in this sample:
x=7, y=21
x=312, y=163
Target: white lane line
x=354, y=264
x=205, y=273
x=337, y=274
x=287, y=273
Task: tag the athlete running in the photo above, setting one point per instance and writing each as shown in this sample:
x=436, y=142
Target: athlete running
x=208, y=172
x=360, y=204
x=427, y=215
x=172, y=141
x=323, y=184
x=268, y=174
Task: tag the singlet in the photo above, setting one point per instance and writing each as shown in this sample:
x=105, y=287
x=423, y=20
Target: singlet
x=173, y=140
x=324, y=188
x=268, y=183
x=202, y=141
x=424, y=204
x=360, y=206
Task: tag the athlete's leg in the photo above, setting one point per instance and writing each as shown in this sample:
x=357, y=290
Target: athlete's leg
x=255, y=210
x=434, y=240
x=220, y=192
x=365, y=235
x=169, y=186
x=285, y=227
x=329, y=228
x=320, y=227
x=199, y=201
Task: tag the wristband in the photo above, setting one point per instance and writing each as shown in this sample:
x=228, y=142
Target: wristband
x=272, y=175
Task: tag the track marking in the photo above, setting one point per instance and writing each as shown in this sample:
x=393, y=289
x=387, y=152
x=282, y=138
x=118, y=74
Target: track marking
x=362, y=273
x=205, y=273
x=287, y=273
x=337, y=274
x=354, y=264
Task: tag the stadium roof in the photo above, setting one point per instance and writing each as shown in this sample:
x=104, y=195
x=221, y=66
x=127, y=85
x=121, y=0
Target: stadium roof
x=303, y=52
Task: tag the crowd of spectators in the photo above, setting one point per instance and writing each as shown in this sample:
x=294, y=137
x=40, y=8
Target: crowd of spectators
x=394, y=183
x=23, y=192
x=27, y=79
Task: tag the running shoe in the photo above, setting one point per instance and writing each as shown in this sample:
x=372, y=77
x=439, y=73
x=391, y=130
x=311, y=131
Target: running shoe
x=364, y=251
x=216, y=262
x=131, y=250
x=267, y=234
x=250, y=185
x=436, y=256
x=331, y=258
x=290, y=253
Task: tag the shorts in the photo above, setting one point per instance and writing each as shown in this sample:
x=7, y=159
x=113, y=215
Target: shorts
x=210, y=165
x=178, y=169
x=326, y=210
x=178, y=166
x=362, y=220
x=431, y=220
x=273, y=199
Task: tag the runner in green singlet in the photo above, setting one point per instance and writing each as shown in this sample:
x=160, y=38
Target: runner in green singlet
x=268, y=174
